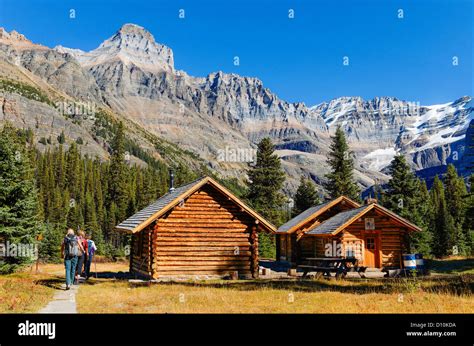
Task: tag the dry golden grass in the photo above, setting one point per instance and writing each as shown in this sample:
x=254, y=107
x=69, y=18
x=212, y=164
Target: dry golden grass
x=397, y=296
x=28, y=291
x=23, y=293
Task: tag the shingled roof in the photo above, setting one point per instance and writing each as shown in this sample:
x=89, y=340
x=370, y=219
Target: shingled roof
x=144, y=217
x=286, y=227
x=138, y=218
x=312, y=213
x=333, y=223
x=339, y=221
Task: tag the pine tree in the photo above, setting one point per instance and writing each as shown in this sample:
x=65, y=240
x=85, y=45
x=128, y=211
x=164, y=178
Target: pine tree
x=60, y=167
x=50, y=246
x=441, y=221
x=469, y=218
x=90, y=216
x=72, y=171
x=402, y=188
x=306, y=196
x=19, y=205
x=420, y=242
x=99, y=197
x=407, y=196
x=266, y=181
x=340, y=179
x=61, y=138
x=118, y=192
x=455, y=192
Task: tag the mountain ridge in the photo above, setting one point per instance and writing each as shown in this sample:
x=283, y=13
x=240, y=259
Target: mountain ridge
x=134, y=75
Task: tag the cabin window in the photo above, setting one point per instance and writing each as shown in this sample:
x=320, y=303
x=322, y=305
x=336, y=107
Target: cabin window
x=370, y=243
x=369, y=223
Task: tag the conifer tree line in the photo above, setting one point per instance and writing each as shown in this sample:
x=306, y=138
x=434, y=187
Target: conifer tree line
x=46, y=193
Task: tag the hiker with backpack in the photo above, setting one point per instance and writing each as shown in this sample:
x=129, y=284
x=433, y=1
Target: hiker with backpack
x=70, y=249
x=92, y=248
x=81, y=259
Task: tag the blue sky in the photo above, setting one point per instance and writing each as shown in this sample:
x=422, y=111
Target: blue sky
x=299, y=59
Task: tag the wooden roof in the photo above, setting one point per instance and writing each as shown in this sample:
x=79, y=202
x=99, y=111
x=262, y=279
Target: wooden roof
x=340, y=221
x=146, y=216
x=295, y=223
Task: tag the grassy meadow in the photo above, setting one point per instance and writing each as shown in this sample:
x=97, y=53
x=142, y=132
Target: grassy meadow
x=282, y=296
x=23, y=292
x=448, y=290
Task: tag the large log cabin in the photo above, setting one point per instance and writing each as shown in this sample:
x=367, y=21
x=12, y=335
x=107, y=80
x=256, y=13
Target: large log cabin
x=373, y=234
x=197, y=229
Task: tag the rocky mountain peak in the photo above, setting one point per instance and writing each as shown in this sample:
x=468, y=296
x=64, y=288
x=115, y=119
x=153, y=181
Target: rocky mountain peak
x=133, y=29
x=15, y=39
x=131, y=44
x=12, y=36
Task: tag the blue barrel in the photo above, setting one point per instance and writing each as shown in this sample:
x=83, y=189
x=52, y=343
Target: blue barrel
x=420, y=263
x=409, y=261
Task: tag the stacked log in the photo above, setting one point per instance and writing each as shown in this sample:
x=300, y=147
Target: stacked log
x=208, y=234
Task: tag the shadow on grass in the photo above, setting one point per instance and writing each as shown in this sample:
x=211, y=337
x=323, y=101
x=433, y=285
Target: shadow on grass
x=53, y=282
x=57, y=281
x=453, y=285
x=451, y=266
x=458, y=285
x=461, y=285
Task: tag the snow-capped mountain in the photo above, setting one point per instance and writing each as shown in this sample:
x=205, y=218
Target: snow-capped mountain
x=395, y=126
x=133, y=75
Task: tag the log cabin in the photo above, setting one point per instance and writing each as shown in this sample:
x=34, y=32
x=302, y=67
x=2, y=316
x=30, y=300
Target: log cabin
x=374, y=235
x=200, y=228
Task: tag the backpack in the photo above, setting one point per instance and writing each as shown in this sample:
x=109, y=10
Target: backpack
x=91, y=247
x=71, y=247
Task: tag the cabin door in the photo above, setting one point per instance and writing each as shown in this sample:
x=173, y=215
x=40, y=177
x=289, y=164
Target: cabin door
x=371, y=252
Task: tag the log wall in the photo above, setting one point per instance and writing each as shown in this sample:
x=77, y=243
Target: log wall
x=390, y=235
x=140, y=259
x=296, y=250
x=207, y=234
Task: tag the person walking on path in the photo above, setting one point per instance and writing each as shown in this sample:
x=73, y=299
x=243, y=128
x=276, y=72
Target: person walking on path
x=82, y=255
x=92, y=248
x=70, y=249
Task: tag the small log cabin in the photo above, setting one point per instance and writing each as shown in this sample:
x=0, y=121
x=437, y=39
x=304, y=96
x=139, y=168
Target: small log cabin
x=373, y=234
x=200, y=228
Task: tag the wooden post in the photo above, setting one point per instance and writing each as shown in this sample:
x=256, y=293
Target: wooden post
x=132, y=245
x=254, y=251
x=278, y=249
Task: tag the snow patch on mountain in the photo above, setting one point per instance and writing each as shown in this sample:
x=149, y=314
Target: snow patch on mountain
x=380, y=158
x=74, y=52
x=442, y=124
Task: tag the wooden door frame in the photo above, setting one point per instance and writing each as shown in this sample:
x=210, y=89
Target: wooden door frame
x=377, y=235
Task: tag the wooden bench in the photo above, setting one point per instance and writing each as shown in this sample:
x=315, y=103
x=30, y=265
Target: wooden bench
x=328, y=265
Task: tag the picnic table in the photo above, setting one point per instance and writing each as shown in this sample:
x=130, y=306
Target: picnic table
x=327, y=265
